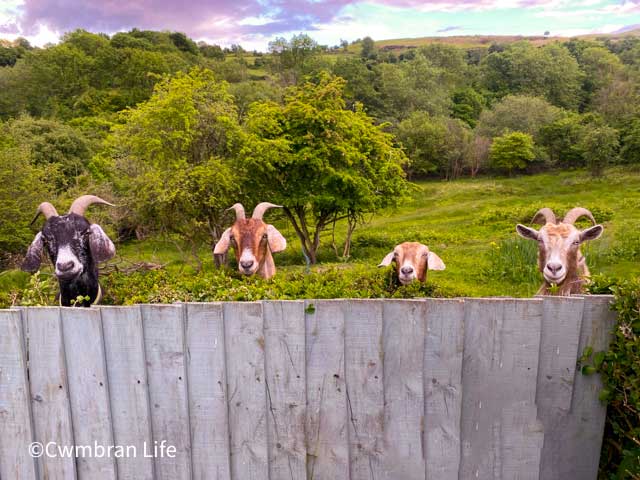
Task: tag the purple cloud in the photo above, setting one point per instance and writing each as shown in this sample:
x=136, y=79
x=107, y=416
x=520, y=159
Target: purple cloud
x=449, y=29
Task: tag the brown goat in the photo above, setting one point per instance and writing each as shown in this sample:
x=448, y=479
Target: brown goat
x=253, y=241
x=412, y=260
x=559, y=257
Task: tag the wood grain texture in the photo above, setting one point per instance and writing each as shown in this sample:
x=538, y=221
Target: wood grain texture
x=207, y=381
x=444, y=343
x=284, y=335
x=16, y=431
x=561, y=323
x=49, y=391
x=403, y=344
x=167, y=377
x=88, y=392
x=128, y=389
x=326, y=427
x=244, y=344
x=364, y=388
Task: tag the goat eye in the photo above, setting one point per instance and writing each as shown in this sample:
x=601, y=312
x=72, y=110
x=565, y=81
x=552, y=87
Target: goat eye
x=264, y=237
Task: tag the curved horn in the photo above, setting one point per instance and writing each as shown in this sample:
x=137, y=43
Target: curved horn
x=546, y=214
x=47, y=210
x=258, y=212
x=80, y=204
x=239, y=211
x=575, y=213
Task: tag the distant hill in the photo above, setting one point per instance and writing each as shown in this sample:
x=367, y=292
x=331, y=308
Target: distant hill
x=478, y=41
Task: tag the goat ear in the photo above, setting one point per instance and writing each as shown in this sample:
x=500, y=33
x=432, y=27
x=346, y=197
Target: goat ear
x=591, y=233
x=386, y=261
x=434, y=262
x=33, y=259
x=277, y=242
x=101, y=246
x=526, y=232
x=223, y=244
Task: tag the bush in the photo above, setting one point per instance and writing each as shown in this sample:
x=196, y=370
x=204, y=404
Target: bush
x=619, y=368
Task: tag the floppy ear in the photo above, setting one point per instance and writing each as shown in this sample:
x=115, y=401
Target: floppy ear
x=591, y=233
x=434, y=262
x=33, y=259
x=101, y=246
x=223, y=244
x=526, y=232
x=386, y=261
x=277, y=242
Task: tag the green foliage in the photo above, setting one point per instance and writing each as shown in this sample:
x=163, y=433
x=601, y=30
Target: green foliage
x=521, y=68
x=630, y=152
x=467, y=105
x=599, y=146
x=319, y=160
x=513, y=260
x=511, y=151
x=168, y=159
x=619, y=368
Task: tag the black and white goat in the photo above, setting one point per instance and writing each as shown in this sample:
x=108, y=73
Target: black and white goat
x=75, y=248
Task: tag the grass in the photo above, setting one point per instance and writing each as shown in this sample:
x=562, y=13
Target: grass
x=469, y=223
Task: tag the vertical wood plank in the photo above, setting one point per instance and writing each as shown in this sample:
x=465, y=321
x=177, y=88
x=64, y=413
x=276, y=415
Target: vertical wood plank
x=244, y=344
x=207, y=391
x=364, y=387
x=167, y=376
x=128, y=390
x=500, y=366
x=444, y=344
x=49, y=391
x=326, y=429
x=88, y=392
x=403, y=345
x=284, y=335
x=16, y=432
x=561, y=322
x=580, y=437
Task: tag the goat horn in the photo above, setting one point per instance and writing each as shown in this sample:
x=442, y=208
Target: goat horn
x=545, y=213
x=575, y=213
x=239, y=211
x=80, y=204
x=47, y=210
x=258, y=212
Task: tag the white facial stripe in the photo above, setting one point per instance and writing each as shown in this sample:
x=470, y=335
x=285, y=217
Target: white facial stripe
x=66, y=255
x=247, y=255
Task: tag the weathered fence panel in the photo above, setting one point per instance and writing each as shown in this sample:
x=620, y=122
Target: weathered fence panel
x=327, y=389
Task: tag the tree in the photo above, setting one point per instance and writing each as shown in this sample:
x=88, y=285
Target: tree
x=630, y=151
x=368, y=50
x=295, y=56
x=171, y=158
x=519, y=113
x=599, y=146
x=561, y=138
x=322, y=162
x=511, y=151
x=467, y=105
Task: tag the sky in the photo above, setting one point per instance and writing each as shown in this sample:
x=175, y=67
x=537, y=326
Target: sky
x=253, y=23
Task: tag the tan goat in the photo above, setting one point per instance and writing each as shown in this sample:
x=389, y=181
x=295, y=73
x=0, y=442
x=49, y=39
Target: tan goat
x=559, y=257
x=412, y=261
x=253, y=241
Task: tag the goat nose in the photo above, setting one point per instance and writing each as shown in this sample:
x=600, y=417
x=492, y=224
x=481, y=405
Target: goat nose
x=554, y=267
x=247, y=264
x=66, y=266
x=407, y=270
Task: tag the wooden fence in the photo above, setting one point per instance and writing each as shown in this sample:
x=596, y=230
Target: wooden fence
x=330, y=389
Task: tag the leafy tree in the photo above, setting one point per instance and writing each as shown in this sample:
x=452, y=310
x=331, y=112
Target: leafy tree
x=294, y=57
x=368, y=50
x=630, y=151
x=320, y=161
x=512, y=151
x=561, y=138
x=519, y=113
x=467, y=105
x=549, y=72
x=22, y=187
x=360, y=86
x=184, y=43
x=599, y=145
x=170, y=157
x=211, y=51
